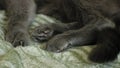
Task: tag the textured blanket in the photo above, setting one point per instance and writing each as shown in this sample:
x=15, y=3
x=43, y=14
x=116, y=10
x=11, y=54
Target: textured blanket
x=33, y=56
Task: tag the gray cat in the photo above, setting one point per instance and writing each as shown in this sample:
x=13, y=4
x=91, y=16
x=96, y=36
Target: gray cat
x=85, y=22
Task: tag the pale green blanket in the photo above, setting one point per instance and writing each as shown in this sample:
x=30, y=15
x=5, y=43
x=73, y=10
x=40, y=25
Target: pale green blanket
x=34, y=57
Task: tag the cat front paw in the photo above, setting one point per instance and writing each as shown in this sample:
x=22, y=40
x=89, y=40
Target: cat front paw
x=58, y=43
x=17, y=37
x=42, y=33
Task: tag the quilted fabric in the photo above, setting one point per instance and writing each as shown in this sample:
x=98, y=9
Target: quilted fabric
x=33, y=56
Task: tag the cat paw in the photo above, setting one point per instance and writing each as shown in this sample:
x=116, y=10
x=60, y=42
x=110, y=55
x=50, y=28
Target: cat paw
x=59, y=43
x=42, y=33
x=17, y=37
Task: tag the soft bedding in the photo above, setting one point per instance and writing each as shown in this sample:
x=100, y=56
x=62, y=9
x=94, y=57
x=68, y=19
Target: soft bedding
x=33, y=56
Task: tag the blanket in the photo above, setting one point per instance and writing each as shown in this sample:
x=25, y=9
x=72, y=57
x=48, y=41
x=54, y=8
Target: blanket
x=33, y=56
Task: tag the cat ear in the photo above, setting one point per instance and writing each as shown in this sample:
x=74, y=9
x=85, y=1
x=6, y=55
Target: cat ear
x=107, y=47
x=101, y=54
